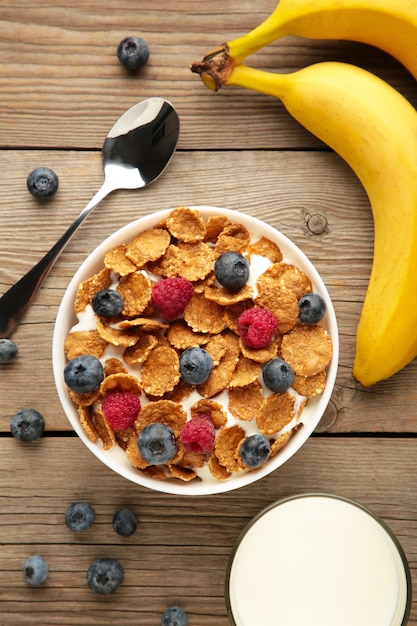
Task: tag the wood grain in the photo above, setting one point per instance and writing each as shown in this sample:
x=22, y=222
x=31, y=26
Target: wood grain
x=62, y=85
x=292, y=188
x=62, y=88
x=180, y=551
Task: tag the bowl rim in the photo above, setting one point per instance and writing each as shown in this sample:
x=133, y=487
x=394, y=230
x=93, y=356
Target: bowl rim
x=64, y=322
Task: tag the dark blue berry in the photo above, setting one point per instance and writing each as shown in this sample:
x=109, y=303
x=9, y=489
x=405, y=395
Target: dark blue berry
x=232, y=270
x=255, y=451
x=278, y=375
x=107, y=303
x=42, y=182
x=195, y=366
x=35, y=570
x=174, y=616
x=79, y=516
x=84, y=373
x=125, y=522
x=105, y=576
x=8, y=350
x=157, y=443
x=312, y=308
x=133, y=53
x=27, y=425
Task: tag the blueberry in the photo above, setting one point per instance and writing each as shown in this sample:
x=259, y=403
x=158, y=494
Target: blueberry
x=105, y=576
x=174, y=616
x=195, y=366
x=79, y=516
x=35, y=570
x=157, y=444
x=27, y=425
x=42, y=182
x=278, y=375
x=133, y=53
x=8, y=350
x=232, y=270
x=107, y=303
x=312, y=308
x=255, y=451
x=84, y=373
x=125, y=522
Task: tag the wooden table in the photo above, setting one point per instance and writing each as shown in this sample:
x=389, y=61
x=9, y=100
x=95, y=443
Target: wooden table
x=62, y=88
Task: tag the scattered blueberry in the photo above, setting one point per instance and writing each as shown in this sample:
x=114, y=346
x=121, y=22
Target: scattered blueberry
x=255, y=450
x=105, y=576
x=35, y=570
x=27, y=425
x=174, y=616
x=312, y=308
x=8, y=350
x=157, y=444
x=42, y=182
x=195, y=366
x=79, y=516
x=125, y=522
x=278, y=375
x=84, y=373
x=133, y=53
x=232, y=270
x=107, y=303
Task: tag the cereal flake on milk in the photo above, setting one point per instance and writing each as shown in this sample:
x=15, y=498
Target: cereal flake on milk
x=140, y=352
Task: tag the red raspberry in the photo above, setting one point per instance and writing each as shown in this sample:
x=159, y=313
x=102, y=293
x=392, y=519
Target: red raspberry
x=170, y=296
x=120, y=409
x=257, y=326
x=198, y=435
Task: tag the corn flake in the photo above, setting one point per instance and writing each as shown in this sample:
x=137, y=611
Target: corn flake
x=165, y=412
x=204, y=316
x=186, y=224
x=82, y=342
x=276, y=411
x=161, y=371
x=308, y=349
x=245, y=402
x=88, y=288
x=226, y=447
x=149, y=245
x=117, y=261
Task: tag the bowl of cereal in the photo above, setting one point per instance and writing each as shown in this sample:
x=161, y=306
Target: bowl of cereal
x=195, y=350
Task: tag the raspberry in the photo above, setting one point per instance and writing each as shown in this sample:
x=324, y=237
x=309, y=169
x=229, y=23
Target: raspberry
x=170, y=296
x=120, y=409
x=197, y=435
x=257, y=326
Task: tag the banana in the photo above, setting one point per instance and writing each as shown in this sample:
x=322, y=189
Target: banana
x=390, y=25
x=374, y=129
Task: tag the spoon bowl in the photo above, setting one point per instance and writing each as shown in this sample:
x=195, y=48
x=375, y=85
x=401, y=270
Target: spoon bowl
x=135, y=152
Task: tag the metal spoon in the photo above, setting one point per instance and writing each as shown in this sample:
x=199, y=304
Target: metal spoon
x=136, y=151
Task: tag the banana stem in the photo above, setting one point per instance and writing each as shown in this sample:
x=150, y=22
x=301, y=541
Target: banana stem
x=258, y=80
x=268, y=31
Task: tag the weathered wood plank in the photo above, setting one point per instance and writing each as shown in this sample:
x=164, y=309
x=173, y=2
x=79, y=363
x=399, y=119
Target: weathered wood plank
x=180, y=551
x=293, y=186
x=62, y=85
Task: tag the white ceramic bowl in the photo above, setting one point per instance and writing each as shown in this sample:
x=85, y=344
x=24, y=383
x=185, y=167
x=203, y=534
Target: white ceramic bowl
x=116, y=458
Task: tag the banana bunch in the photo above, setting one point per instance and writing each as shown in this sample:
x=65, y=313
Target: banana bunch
x=374, y=129
x=390, y=25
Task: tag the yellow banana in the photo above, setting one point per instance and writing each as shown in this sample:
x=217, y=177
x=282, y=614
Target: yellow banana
x=374, y=129
x=390, y=25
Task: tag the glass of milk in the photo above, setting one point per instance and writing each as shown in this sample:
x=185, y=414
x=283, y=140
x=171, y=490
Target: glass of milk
x=318, y=560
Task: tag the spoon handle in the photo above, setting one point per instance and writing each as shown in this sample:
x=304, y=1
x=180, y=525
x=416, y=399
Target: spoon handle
x=16, y=301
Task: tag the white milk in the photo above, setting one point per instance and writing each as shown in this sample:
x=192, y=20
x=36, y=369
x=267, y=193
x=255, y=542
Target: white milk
x=317, y=560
